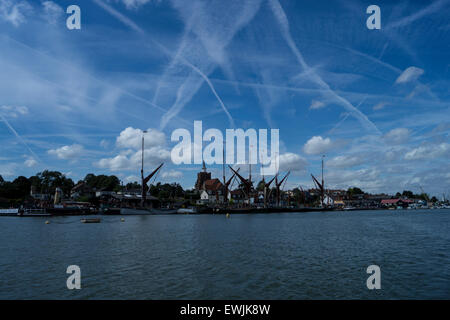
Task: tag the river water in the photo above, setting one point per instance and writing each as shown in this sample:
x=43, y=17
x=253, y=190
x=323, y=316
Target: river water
x=321, y=255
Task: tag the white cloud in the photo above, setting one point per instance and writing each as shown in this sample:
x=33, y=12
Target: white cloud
x=397, y=136
x=132, y=138
x=13, y=111
x=67, y=152
x=14, y=11
x=429, y=152
x=125, y=161
x=30, y=162
x=316, y=105
x=344, y=161
x=292, y=162
x=130, y=141
x=172, y=174
x=53, y=12
x=410, y=74
x=317, y=145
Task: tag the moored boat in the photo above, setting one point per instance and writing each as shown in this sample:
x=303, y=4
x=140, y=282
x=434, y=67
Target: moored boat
x=91, y=220
x=187, y=210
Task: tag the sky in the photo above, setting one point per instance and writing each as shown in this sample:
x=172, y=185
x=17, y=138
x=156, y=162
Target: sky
x=375, y=102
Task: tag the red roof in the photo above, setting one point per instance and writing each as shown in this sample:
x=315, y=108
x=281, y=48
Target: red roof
x=212, y=184
x=389, y=201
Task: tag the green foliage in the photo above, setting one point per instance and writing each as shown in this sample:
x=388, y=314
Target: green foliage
x=422, y=196
x=102, y=182
x=407, y=193
x=354, y=190
x=260, y=186
x=133, y=186
x=48, y=181
x=44, y=182
x=166, y=191
x=191, y=195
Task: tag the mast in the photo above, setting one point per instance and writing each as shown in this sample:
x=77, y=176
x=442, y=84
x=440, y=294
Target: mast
x=142, y=170
x=323, y=185
x=266, y=186
x=247, y=183
x=223, y=163
x=250, y=164
x=227, y=184
x=146, y=180
x=278, y=184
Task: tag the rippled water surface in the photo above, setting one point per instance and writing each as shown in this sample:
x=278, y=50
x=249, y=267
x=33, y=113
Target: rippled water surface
x=264, y=256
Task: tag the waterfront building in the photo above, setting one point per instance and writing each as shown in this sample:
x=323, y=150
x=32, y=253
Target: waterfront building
x=396, y=202
x=202, y=177
x=237, y=196
x=82, y=189
x=212, y=191
x=39, y=196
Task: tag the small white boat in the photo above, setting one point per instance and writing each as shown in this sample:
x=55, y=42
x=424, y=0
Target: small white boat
x=9, y=212
x=187, y=210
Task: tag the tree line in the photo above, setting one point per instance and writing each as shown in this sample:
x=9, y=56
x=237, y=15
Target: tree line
x=46, y=182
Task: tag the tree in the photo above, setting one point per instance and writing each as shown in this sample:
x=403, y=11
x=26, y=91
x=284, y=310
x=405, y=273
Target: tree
x=353, y=191
x=1, y=180
x=434, y=199
x=18, y=189
x=260, y=186
x=408, y=194
x=166, y=191
x=50, y=180
x=102, y=182
x=299, y=196
x=422, y=196
x=21, y=187
x=133, y=186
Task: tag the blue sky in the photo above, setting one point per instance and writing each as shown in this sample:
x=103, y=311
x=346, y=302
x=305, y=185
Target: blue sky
x=376, y=102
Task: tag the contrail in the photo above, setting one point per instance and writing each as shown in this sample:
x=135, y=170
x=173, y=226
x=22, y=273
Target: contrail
x=346, y=116
x=205, y=77
x=19, y=137
x=123, y=91
x=435, y=6
x=125, y=20
x=136, y=28
x=283, y=22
